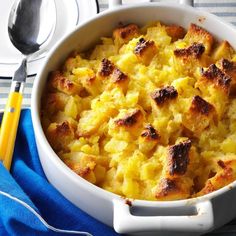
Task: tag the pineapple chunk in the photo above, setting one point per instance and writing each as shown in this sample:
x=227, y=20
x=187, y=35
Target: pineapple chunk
x=71, y=108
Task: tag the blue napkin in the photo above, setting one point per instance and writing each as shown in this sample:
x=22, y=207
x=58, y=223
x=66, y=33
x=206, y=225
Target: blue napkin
x=29, y=185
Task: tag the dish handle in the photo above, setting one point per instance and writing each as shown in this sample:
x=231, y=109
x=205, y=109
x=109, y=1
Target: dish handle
x=200, y=220
x=116, y=3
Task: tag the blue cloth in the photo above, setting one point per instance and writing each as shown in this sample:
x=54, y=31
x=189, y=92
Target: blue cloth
x=29, y=184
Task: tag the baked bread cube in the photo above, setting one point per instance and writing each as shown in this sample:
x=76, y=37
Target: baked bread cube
x=119, y=79
x=175, y=32
x=190, y=58
x=63, y=84
x=131, y=120
x=195, y=51
x=145, y=50
x=56, y=101
x=106, y=68
x=169, y=189
x=88, y=80
x=174, y=183
x=197, y=34
x=178, y=158
x=216, y=77
x=148, y=138
x=229, y=68
x=215, y=86
x=223, y=50
x=164, y=95
x=199, y=116
x=125, y=33
x=225, y=175
x=60, y=135
x=85, y=166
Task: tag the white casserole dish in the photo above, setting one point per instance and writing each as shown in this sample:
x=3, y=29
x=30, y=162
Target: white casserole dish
x=184, y=217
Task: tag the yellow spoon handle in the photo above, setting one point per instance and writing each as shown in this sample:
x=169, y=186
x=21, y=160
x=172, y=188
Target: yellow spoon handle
x=9, y=127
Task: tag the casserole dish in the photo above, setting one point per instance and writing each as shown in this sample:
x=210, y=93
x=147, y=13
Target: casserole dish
x=184, y=217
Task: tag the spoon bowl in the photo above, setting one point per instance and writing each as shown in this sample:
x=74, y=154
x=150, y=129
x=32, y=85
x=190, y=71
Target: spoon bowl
x=31, y=23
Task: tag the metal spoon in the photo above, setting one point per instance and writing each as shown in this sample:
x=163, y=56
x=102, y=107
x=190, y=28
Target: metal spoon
x=30, y=26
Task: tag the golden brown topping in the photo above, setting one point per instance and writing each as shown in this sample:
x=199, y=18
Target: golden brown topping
x=148, y=101
x=221, y=164
x=195, y=50
x=118, y=76
x=148, y=139
x=84, y=93
x=178, y=158
x=227, y=65
x=130, y=119
x=145, y=50
x=128, y=30
x=173, y=188
x=164, y=94
x=211, y=174
x=199, y=105
x=200, y=115
x=198, y=34
x=83, y=172
x=126, y=33
x=84, y=166
x=63, y=84
x=119, y=79
x=55, y=101
x=107, y=67
x=63, y=129
x=208, y=188
x=223, y=50
x=59, y=135
x=175, y=32
x=198, y=30
x=90, y=80
x=142, y=45
x=217, y=76
x=166, y=187
x=52, y=99
x=150, y=133
x=187, y=60
x=227, y=175
x=223, y=177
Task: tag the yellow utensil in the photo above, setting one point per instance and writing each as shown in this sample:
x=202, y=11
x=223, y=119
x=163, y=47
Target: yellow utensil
x=30, y=25
x=11, y=115
x=9, y=127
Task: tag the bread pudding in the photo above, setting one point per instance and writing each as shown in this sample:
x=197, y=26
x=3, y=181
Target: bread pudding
x=149, y=113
